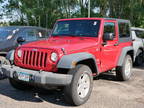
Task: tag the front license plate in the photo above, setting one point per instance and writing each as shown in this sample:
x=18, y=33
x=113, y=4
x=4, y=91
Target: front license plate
x=23, y=76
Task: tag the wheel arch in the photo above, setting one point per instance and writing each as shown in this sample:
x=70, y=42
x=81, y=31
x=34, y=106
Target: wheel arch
x=70, y=61
x=126, y=50
x=141, y=48
x=91, y=63
x=3, y=54
x=131, y=53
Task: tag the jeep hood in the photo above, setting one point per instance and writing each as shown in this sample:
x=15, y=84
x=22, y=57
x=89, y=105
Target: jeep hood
x=68, y=43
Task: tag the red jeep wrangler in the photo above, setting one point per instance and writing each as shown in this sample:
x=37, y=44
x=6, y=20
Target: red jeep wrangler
x=77, y=50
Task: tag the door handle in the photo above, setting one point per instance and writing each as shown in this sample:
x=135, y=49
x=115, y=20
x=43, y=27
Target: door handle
x=116, y=44
x=104, y=43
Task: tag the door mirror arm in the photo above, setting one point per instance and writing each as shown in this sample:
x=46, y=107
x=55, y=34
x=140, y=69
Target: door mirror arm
x=104, y=43
x=20, y=40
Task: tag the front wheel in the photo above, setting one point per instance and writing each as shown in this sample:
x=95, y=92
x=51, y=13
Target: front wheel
x=78, y=92
x=124, y=72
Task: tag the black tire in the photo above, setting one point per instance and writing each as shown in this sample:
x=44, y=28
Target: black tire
x=139, y=58
x=3, y=60
x=70, y=92
x=121, y=73
x=20, y=85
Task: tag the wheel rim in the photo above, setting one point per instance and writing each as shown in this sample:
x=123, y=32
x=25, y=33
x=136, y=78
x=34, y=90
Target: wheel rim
x=83, y=85
x=128, y=67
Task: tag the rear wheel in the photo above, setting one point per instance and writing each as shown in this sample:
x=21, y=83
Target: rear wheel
x=124, y=72
x=78, y=92
x=20, y=85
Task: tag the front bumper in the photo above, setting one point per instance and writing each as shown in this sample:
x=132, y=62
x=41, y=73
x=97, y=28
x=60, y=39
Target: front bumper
x=39, y=77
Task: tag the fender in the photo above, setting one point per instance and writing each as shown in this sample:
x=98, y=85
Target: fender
x=69, y=61
x=123, y=54
x=10, y=55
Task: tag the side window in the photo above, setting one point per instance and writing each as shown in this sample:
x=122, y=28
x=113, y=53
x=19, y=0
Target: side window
x=124, y=30
x=139, y=33
x=109, y=27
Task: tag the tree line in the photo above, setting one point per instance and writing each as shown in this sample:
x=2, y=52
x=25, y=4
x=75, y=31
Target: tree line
x=45, y=12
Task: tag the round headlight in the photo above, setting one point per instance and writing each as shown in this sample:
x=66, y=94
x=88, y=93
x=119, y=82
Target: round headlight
x=54, y=57
x=19, y=53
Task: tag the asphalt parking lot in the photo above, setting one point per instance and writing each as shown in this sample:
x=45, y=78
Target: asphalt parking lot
x=107, y=93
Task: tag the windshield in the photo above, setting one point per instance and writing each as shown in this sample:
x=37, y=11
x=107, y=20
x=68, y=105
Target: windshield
x=85, y=28
x=6, y=33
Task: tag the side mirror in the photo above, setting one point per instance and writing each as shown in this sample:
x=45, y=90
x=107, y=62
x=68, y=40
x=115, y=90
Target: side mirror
x=108, y=36
x=20, y=39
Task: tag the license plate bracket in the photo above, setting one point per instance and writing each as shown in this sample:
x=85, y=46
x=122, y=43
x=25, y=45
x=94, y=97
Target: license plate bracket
x=23, y=76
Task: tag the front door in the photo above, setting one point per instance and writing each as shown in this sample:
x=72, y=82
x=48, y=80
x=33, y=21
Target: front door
x=109, y=50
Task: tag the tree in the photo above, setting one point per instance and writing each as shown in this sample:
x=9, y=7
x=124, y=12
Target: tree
x=45, y=12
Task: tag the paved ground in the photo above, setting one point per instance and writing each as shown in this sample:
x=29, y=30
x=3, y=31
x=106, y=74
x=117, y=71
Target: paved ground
x=107, y=93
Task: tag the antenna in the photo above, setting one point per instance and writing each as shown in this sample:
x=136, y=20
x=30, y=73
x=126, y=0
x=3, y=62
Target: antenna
x=89, y=6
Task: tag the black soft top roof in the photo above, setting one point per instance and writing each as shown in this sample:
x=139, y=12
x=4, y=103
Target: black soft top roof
x=119, y=20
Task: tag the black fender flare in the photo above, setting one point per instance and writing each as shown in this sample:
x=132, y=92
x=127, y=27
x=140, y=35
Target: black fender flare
x=124, y=52
x=70, y=61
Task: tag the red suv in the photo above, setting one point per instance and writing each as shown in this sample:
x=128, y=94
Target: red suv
x=77, y=50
